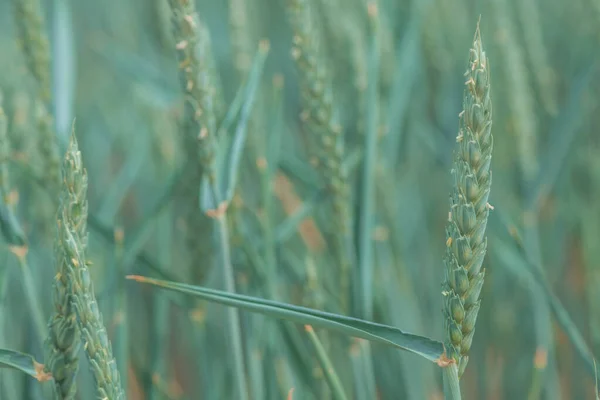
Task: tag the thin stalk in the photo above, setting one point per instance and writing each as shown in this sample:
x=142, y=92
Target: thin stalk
x=451, y=384
x=8, y=389
x=232, y=313
x=273, y=145
x=367, y=205
x=121, y=318
x=367, y=209
x=326, y=364
x=161, y=306
x=32, y=298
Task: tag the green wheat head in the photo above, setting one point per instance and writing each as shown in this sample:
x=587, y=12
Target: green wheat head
x=197, y=77
x=72, y=237
x=35, y=44
x=64, y=341
x=318, y=108
x=33, y=39
x=196, y=64
x=469, y=209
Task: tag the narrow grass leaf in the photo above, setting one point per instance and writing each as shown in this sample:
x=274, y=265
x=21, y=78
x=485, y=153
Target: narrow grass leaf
x=237, y=147
x=423, y=346
x=24, y=363
x=10, y=227
x=562, y=136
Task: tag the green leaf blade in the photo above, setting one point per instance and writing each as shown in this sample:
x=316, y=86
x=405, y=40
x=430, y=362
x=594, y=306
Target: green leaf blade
x=428, y=348
x=24, y=363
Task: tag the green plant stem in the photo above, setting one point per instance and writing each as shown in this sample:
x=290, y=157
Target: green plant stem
x=326, y=364
x=451, y=384
x=8, y=387
x=121, y=320
x=367, y=210
x=232, y=313
x=32, y=299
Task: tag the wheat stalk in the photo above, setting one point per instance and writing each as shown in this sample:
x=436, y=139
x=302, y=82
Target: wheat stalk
x=198, y=77
x=469, y=209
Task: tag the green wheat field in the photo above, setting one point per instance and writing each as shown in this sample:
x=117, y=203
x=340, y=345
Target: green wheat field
x=299, y=199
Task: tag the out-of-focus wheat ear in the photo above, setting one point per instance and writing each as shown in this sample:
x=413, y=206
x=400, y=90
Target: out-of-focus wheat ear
x=196, y=73
x=33, y=38
x=198, y=138
x=198, y=77
x=242, y=40
x=72, y=237
x=469, y=208
x=326, y=136
x=522, y=102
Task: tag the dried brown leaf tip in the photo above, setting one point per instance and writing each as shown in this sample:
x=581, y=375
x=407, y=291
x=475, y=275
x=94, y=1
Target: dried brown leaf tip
x=19, y=251
x=444, y=361
x=219, y=211
x=466, y=243
x=40, y=374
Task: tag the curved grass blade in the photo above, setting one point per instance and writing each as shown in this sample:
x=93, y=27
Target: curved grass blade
x=423, y=346
x=562, y=136
x=237, y=147
x=10, y=227
x=24, y=363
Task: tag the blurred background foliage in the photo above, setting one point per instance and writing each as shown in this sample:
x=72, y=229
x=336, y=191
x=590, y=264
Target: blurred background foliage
x=114, y=70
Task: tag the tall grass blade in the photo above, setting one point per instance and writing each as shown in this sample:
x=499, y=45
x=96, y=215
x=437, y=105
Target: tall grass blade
x=237, y=147
x=428, y=348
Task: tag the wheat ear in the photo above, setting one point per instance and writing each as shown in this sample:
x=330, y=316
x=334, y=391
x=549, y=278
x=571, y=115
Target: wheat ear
x=469, y=209
x=326, y=136
x=72, y=237
x=33, y=39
